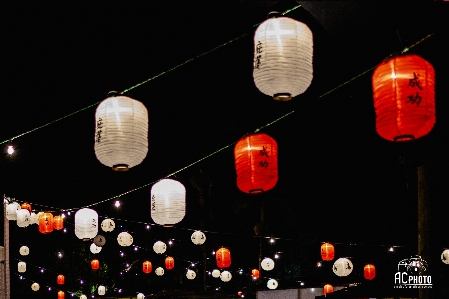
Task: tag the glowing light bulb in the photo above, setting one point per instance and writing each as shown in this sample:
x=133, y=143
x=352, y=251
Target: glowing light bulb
x=391, y=249
x=276, y=256
x=148, y=226
x=59, y=254
x=10, y=149
x=117, y=203
x=318, y=264
x=271, y=240
x=170, y=242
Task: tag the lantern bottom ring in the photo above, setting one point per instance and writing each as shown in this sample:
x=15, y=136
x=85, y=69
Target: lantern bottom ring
x=403, y=138
x=169, y=225
x=282, y=97
x=86, y=239
x=255, y=191
x=120, y=167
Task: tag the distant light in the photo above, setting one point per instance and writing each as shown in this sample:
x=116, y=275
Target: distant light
x=170, y=242
x=127, y=265
x=42, y=270
x=121, y=273
x=68, y=213
x=119, y=290
x=81, y=281
x=10, y=149
x=63, y=215
x=271, y=240
x=59, y=254
x=135, y=248
x=391, y=249
x=312, y=289
x=72, y=294
x=64, y=230
x=122, y=254
x=302, y=283
x=216, y=289
x=117, y=203
x=49, y=288
x=318, y=264
x=193, y=264
x=276, y=256
x=20, y=277
x=213, y=252
x=148, y=226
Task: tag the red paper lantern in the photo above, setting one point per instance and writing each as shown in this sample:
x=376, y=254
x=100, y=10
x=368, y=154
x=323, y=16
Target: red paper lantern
x=61, y=295
x=60, y=279
x=147, y=267
x=327, y=252
x=58, y=222
x=369, y=271
x=95, y=264
x=26, y=206
x=169, y=263
x=328, y=289
x=404, y=98
x=255, y=274
x=46, y=223
x=256, y=163
x=239, y=293
x=223, y=257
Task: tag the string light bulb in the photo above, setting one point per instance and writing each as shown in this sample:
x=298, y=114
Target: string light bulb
x=10, y=149
x=117, y=203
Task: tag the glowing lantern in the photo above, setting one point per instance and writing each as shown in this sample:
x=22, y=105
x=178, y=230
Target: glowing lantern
x=239, y=293
x=60, y=279
x=147, y=267
x=95, y=264
x=83, y=297
x=61, y=295
x=34, y=218
x=24, y=250
x=369, y=271
x=121, y=132
x=140, y=296
x=108, y=225
x=21, y=267
x=198, y=237
x=225, y=276
x=125, y=239
x=11, y=211
x=445, y=256
x=255, y=274
x=190, y=274
x=256, y=163
x=86, y=224
x=272, y=284
x=46, y=223
x=223, y=257
x=35, y=287
x=327, y=289
x=99, y=240
x=159, y=271
x=23, y=218
x=342, y=267
x=58, y=222
x=168, y=202
x=159, y=247
x=94, y=248
x=327, y=252
x=101, y=290
x=26, y=206
x=283, y=55
x=169, y=263
x=216, y=273
x=267, y=264
x=404, y=98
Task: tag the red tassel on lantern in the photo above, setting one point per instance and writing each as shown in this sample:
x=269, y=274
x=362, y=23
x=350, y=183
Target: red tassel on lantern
x=147, y=267
x=95, y=264
x=169, y=263
x=61, y=295
x=60, y=279
x=26, y=206
x=58, y=222
x=223, y=257
x=369, y=271
x=255, y=274
x=327, y=252
x=46, y=223
x=256, y=163
x=328, y=289
x=404, y=98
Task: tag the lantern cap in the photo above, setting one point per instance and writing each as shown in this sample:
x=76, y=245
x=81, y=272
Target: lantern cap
x=113, y=93
x=169, y=225
x=120, y=167
x=282, y=97
x=274, y=14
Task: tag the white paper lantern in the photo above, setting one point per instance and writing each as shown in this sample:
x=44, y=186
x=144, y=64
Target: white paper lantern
x=225, y=276
x=21, y=267
x=125, y=239
x=190, y=274
x=140, y=296
x=168, y=202
x=34, y=218
x=108, y=225
x=159, y=247
x=342, y=267
x=94, y=248
x=86, y=223
x=23, y=218
x=24, y=250
x=272, y=284
x=159, y=271
x=11, y=211
x=283, y=55
x=35, y=287
x=445, y=256
x=216, y=273
x=267, y=264
x=83, y=297
x=101, y=290
x=121, y=132
x=198, y=237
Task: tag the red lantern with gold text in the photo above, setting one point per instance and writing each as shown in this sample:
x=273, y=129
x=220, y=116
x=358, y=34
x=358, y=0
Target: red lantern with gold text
x=327, y=252
x=327, y=289
x=46, y=223
x=61, y=295
x=26, y=206
x=369, y=271
x=255, y=274
x=58, y=222
x=95, y=264
x=147, y=267
x=256, y=163
x=223, y=257
x=169, y=263
x=404, y=98
x=60, y=279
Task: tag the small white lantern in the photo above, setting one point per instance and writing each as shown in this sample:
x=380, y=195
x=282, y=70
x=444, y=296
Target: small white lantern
x=83, y=297
x=168, y=202
x=35, y=287
x=140, y=296
x=125, y=239
x=23, y=218
x=101, y=290
x=190, y=274
x=94, y=248
x=198, y=237
x=225, y=276
x=24, y=250
x=34, y=218
x=272, y=284
x=216, y=273
x=11, y=210
x=86, y=224
x=342, y=267
x=21, y=267
x=267, y=264
x=445, y=256
x=159, y=271
x=121, y=132
x=283, y=55
x=159, y=247
x=108, y=225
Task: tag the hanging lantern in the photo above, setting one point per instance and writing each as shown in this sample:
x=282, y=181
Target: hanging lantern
x=26, y=206
x=121, y=132
x=255, y=274
x=223, y=257
x=21, y=267
x=267, y=264
x=272, y=284
x=159, y=271
x=24, y=250
x=198, y=237
x=95, y=264
x=327, y=252
x=256, y=163
x=140, y=296
x=147, y=267
x=58, y=222
x=190, y=274
x=159, y=247
x=342, y=267
x=108, y=225
x=83, y=297
x=445, y=256
x=46, y=223
x=216, y=273
x=86, y=224
x=34, y=218
x=239, y=293
x=327, y=289
x=404, y=98
x=60, y=279
x=94, y=248
x=369, y=271
x=283, y=56
x=101, y=290
x=23, y=218
x=61, y=295
x=225, y=276
x=125, y=239
x=168, y=202
x=169, y=263
x=11, y=211
x=35, y=286
x=99, y=240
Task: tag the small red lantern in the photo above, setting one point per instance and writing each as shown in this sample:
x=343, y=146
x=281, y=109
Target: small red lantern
x=256, y=163
x=327, y=252
x=147, y=267
x=327, y=289
x=239, y=293
x=26, y=206
x=223, y=257
x=404, y=98
x=46, y=223
x=61, y=295
x=169, y=263
x=369, y=271
x=95, y=264
x=60, y=279
x=58, y=222
x=255, y=274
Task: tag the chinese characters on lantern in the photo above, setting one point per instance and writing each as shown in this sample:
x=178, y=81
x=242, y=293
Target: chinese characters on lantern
x=99, y=131
x=414, y=83
x=258, y=51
